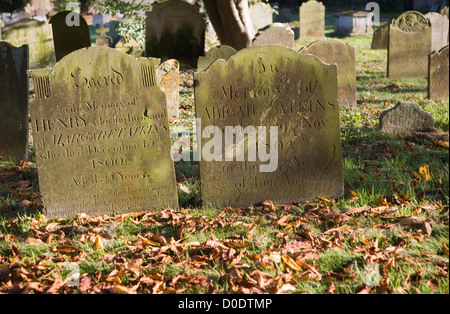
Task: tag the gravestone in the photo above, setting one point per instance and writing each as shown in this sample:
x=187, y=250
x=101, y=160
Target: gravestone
x=103, y=40
x=68, y=38
x=445, y=11
x=101, y=134
x=275, y=34
x=168, y=74
x=439, y=30
x=130, y=46
x=344, y=55
x=215, y=53
x=261, y=14
x=45, y=5
x=312, y=19
x=353, y=23
x=175, y=30
x=406, y=117
x=380, y=38
x=38, y=36
x=295, y=97
x=409, y=45
x=13, y=101
x=438, y=75
x=40, y=15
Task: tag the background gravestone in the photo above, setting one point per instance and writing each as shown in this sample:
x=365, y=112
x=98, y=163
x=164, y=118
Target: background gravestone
x=275, y=34
x=69, y=38
x=352, y=23
x=175, y=30
x=215, y=53
x=439, y=30
x=13, y=101
x=381, y=37
x=409, y=45
x=312, y=19
x=438, y=75
x=272, y=86
x=101, y=134
x=38, y=36
x=406, y=117
x=344, y=55
x=45, y=5
x=261, y=15
x=168, y=74
x=103, y=40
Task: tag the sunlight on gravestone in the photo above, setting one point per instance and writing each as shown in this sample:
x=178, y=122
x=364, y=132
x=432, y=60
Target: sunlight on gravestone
x=168, y=74
x=104, y=148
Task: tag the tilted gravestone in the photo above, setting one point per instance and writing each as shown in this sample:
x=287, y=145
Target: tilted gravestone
x=275, y=34
x=312, y=19
x=439, y=30
x=344, y=55
x=101, y=134
x=409, y=45
x=71, y=36
x=261, y=14
x=38, y=36
x=175, y=30
x=406, y=117
x=13, y=101
x=262, y=90
x=380, y=38
x=438, y=75
x=215, y=53
x=168, y=74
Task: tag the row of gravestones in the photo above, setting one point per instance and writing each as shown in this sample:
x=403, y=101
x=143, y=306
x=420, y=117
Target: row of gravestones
x=105, y=146
x=418, y=47
x=439, y=31
x=174, y=30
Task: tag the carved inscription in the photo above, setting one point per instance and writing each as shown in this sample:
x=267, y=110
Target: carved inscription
x=272, y=86
x=105, y=146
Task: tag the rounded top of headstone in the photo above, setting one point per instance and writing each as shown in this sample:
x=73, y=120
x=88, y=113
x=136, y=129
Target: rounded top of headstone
x=411, y=21
x=176, y=5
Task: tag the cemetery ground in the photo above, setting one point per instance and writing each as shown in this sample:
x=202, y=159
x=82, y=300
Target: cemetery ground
x=389, y=233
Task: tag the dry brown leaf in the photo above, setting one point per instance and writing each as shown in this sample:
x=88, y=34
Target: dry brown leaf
x=98, y=242
x=445, y=248
x=35, y=242
x=122, y=290
x=290, y=262
x=354, y=211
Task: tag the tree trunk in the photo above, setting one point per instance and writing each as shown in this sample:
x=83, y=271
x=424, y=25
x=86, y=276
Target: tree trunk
x=231, y=21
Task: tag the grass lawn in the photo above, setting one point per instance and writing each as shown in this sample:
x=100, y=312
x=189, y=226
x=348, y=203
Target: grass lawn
x=389, y=233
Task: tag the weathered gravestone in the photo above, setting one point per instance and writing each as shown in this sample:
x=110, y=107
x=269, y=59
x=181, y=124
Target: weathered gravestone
x=344, y=55
x=445, y=11
x=69, y=37
x=13, y=101
x=409, y=45
x=101, y=135
x=262, y=90
x=261, y=14
x=380, y=38
x=312, y=19
x=38, y=36
x=439, y=30
x=215, y=53
x=406, y=117
x=168, y=74
x=438, y=75
x=275, y=34
x=175, y=30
